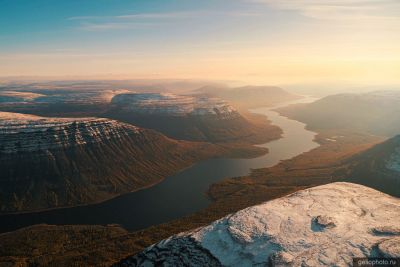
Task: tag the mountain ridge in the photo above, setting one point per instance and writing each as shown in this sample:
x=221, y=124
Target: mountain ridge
x=82, y=161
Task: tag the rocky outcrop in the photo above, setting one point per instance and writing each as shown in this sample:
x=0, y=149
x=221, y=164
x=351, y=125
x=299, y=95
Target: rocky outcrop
x=327, y=225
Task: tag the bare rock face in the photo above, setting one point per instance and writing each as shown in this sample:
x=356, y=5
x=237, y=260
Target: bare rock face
x=327, y=225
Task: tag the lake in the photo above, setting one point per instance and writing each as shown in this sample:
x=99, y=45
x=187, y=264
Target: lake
x=180, y=194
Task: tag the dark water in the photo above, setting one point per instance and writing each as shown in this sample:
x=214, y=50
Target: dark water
x=178, y=195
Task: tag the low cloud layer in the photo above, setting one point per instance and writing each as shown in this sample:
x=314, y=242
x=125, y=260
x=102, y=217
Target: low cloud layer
x=339, y=9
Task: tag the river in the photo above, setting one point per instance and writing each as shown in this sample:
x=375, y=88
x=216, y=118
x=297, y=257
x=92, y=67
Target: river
x=180, y=194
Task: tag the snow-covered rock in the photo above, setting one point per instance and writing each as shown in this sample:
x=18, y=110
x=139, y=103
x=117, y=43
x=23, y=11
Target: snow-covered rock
x=21, y=132
x=327, y=225
x=175, y=105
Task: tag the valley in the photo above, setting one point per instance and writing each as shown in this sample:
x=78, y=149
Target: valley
x=306, y=170
x=309, y=159
x=241, y=133
x=194, y=181
x=58, y=162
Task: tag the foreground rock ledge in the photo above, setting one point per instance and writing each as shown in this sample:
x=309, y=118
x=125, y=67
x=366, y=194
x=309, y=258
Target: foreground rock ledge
x=327, y=225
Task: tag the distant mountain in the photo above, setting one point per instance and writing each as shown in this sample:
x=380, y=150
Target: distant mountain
x=57, y=162
x=249, y=96
x=60, y=103
x=327, y=225
x=187, y=117
x=376, y=112
x=378, y=167
x=63, y=95
x=16, y=97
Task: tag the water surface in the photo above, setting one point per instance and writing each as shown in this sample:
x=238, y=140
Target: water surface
x=177, y=195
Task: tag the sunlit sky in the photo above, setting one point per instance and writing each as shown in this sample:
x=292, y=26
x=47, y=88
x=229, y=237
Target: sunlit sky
x=258, y=41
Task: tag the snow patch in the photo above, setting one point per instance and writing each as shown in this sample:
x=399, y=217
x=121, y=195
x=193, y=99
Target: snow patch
x=350, y=220
x=22, y=132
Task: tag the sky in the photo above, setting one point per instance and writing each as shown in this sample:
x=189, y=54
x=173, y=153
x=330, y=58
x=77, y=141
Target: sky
x=255, y=41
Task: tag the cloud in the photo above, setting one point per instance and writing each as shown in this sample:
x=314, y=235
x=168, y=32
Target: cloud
x=168, y=15
x=141, y=20
x=339, y=9
x=114, y=26
x=140, y=16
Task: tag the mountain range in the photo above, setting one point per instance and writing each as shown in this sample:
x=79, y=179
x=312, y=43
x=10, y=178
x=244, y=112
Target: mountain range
x=376, y=113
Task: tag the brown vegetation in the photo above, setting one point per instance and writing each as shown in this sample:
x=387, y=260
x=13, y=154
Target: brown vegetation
x=91, y=173
x=319, y=166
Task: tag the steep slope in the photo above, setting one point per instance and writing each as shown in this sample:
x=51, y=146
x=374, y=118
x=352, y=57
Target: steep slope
x=378, y=167
x=376, y=113
x=250, y=96
x=190, y=118
x=57, y=162
x=327, y=225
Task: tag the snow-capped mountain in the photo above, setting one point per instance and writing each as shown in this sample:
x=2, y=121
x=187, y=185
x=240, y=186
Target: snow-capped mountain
x=197, y=118
x=327, y=225
x=57, y=162
x=174, y=105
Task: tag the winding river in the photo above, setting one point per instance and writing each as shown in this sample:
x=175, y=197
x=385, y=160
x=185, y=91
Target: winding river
x=177, y=195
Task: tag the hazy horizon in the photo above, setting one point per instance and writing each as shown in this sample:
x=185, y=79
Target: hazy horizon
x=279, y=42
